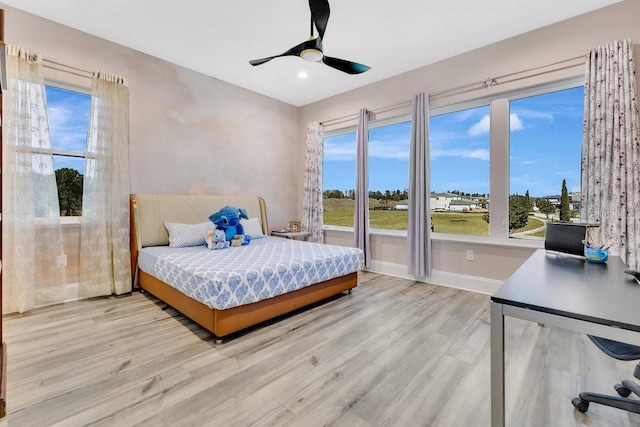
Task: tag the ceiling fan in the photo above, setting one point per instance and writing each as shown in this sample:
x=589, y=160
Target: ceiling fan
x=311, y=50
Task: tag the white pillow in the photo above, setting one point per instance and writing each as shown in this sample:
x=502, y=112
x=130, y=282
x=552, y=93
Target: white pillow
x=183, y=235
x=252, y=227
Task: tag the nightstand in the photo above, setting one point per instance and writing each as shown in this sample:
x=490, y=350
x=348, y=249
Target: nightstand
x=302, y=235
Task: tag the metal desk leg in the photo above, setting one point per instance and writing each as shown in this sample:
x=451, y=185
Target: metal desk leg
x=497, y=365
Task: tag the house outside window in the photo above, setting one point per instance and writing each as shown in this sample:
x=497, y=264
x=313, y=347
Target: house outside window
x=459, y=167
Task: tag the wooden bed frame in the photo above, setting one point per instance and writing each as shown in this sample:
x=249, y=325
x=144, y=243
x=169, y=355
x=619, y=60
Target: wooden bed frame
x=158, y=208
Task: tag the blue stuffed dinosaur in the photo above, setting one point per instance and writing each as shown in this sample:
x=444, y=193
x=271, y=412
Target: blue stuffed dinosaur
x=228, y=220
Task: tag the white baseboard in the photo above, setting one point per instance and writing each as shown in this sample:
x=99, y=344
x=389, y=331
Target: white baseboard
x=442, y=278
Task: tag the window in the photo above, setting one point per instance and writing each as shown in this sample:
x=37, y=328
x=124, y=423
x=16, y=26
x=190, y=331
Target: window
x=339, y=179
x=533, y=138
x=459, y=151
x=545, y=143
x=68, y=112
x=388, y=163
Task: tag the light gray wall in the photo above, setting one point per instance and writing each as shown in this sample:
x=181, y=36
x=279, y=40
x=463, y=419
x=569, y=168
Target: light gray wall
x=189, y=133
x=554, y=43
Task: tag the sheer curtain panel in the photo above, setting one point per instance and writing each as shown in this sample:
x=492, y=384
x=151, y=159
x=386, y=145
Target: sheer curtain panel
x=610, y=149
x=361, y=212
x=32, y=240
x=418, y=227
x=312, y=203
x=105, y=259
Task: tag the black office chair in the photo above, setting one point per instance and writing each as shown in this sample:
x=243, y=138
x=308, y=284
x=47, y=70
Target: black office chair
x=620, y=351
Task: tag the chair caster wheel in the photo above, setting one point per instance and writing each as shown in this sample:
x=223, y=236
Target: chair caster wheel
x=622, y=390
x=580, y=404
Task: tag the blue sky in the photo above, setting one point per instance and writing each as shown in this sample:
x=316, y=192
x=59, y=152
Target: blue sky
x=68, y=113
x=545, y=147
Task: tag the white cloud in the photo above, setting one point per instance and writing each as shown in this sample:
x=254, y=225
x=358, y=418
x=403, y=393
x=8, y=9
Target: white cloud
x=514, y=122
x=339, y=152
x=480, y=153
x=389, y=150
x=484, y=125
x=481, y=127
x=68, y=126
x=394, y=150
x=529, y=114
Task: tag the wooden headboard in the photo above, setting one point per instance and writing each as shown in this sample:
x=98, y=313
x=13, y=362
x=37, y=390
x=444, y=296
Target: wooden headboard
x=150, y=211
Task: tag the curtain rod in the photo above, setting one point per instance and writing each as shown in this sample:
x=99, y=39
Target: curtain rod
x=48, y=63
x=469, y=87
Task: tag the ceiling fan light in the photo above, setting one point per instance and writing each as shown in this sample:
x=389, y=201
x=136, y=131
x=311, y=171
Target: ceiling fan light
x=312, y=55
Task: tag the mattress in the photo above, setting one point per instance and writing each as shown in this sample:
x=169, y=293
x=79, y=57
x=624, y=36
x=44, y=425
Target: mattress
x=234, y=276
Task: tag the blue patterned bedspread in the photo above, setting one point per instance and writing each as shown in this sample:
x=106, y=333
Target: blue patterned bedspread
x=241, y=275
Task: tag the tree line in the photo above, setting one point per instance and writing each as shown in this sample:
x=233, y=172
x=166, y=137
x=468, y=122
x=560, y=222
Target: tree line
x=395, y=196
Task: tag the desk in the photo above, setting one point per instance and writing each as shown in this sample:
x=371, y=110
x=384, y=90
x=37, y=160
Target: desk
x=569, y=293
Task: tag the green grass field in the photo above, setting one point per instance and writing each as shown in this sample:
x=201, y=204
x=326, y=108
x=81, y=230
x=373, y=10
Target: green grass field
x=340, y=212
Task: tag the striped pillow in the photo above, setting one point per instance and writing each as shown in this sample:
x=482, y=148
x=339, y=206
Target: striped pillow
x=183, y=235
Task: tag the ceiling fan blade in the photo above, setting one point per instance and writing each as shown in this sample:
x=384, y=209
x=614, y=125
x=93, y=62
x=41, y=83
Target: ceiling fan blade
x=255, y=62
x=345, y=66
x=294, y=51
x=320, y=14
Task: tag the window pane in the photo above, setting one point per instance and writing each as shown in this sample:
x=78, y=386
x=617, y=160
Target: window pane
x=70, y=182
x=338, y=179
x=68, y=118
x=389, y=175
x=459, y=151
x=545, y=143
x=68, y=114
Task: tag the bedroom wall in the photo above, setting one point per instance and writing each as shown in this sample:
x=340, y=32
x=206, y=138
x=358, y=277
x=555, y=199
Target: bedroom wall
x=189, y=133
x=185, y=127
x=494, y=261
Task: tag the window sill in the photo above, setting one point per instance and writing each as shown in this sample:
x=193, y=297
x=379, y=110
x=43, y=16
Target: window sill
x=70, y=221
x=451, y=238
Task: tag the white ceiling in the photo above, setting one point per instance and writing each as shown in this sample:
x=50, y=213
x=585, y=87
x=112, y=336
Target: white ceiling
x=219, y=38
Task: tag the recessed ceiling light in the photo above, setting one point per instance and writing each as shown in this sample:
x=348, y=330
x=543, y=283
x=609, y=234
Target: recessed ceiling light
x=302, y=75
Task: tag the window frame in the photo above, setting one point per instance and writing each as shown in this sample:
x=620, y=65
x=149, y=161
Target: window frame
x=86, y=90
x=375, y=124
x=499, y=162
x=330, y=134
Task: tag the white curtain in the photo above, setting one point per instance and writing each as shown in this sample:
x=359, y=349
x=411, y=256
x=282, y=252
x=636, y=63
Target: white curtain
x=361, y=213
x=610, y=150
x=418, y=227
x=312, y=203
x=105, y=259
x=32, y=240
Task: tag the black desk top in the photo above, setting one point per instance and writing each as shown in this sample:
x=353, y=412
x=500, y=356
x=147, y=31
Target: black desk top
x=570, y=287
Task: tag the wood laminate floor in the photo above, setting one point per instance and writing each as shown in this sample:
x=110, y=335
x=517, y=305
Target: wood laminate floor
x=394, y=353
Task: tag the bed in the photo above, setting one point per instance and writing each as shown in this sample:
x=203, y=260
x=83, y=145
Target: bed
x=228, y=290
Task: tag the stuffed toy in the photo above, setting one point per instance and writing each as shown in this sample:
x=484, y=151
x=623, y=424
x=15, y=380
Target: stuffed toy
x=216, y=239
x=227, y=219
